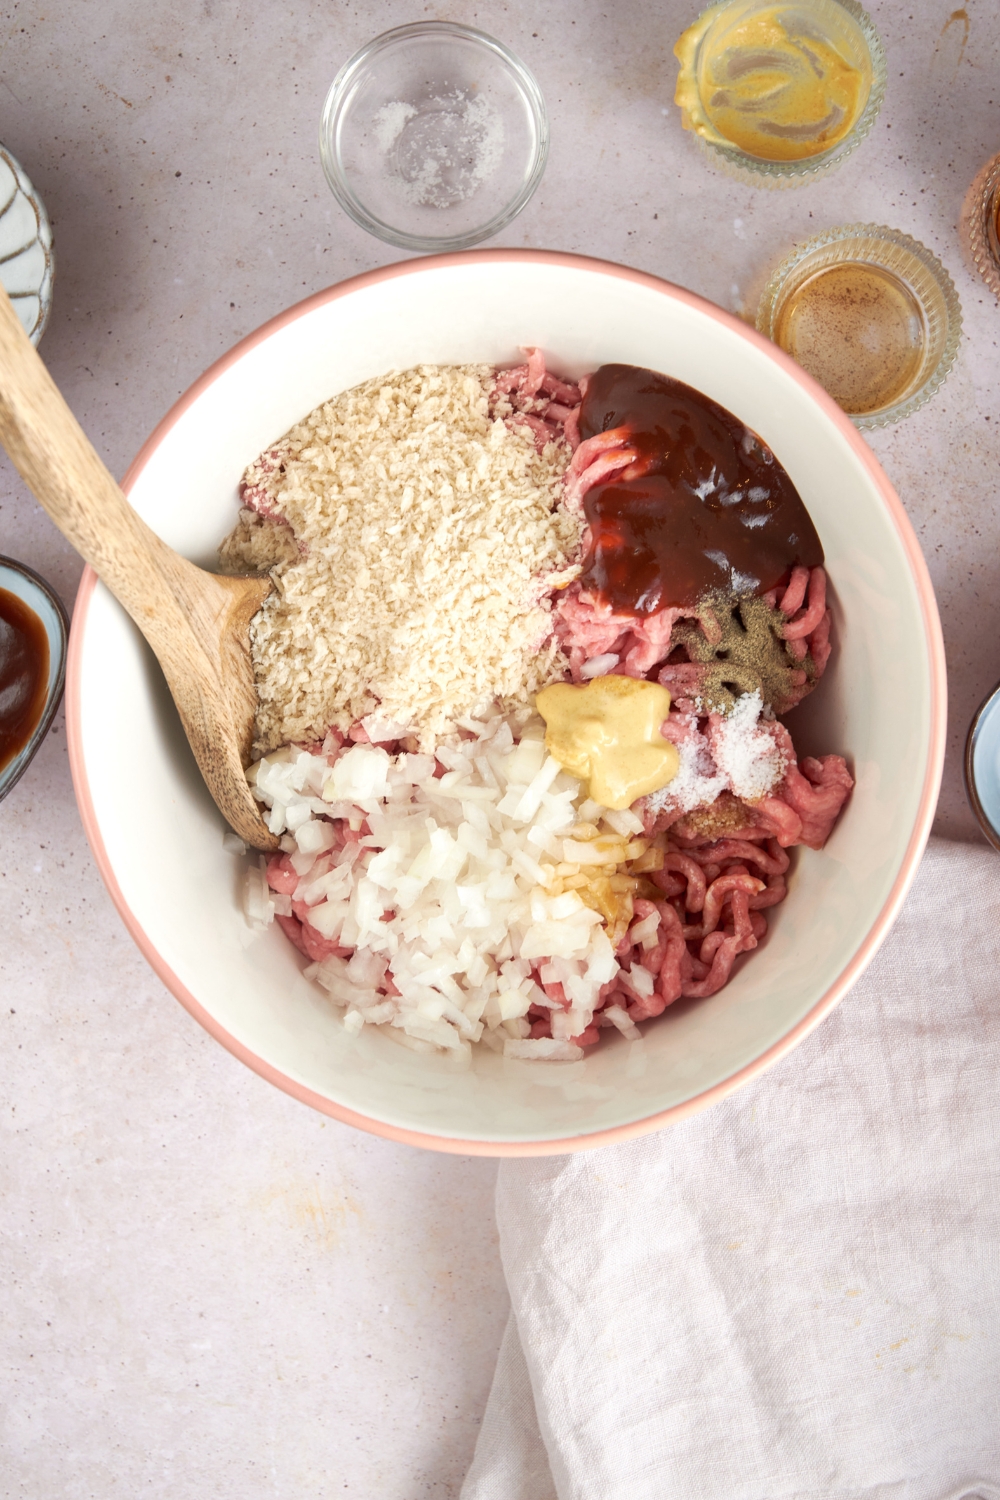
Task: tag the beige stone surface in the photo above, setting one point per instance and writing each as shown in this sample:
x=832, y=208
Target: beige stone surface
x=208, y=1290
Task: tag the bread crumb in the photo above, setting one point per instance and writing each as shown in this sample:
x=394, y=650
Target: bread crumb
x=428, y=539
x=257, y=544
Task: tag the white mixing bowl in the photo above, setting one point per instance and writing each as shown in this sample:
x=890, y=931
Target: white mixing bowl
x=157, y=835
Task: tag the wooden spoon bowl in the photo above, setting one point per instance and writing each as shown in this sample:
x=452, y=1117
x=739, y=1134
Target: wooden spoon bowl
x=197, y=623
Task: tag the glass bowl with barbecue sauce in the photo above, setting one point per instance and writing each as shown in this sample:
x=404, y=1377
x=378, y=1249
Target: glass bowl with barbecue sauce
x=777, y=94
x=871, y=314
x=34, y=631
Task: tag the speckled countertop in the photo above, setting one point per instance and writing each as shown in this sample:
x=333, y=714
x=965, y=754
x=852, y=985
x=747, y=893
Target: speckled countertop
x=209, y=1290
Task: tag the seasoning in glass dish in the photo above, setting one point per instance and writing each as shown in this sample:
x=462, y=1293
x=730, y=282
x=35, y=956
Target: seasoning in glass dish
x=24, y=671
x=871, y=314
x=777, y=94
x=434, y=136
x=981, y=223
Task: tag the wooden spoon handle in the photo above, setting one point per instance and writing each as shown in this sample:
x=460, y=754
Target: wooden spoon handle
x=196, y=623
x=58, y=463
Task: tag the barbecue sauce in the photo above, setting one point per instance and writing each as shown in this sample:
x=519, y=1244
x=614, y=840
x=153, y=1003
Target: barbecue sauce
x=24, y=674
x=704, y=509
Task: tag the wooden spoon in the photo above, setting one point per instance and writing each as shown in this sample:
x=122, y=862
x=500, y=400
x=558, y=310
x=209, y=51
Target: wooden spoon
x=196, y=622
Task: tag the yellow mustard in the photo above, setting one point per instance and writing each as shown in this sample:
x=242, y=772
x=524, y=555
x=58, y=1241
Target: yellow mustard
x=779, y=82
x=607, y=733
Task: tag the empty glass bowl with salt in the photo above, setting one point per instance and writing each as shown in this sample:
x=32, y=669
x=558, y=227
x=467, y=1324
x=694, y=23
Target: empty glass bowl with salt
x=434, y=136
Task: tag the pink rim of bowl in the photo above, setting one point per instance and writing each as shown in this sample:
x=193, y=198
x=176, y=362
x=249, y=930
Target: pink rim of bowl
x=890, y=908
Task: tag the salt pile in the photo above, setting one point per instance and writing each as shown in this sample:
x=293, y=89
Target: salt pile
x=738, y=752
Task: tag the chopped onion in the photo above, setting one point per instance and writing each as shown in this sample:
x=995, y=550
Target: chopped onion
x=454, y=882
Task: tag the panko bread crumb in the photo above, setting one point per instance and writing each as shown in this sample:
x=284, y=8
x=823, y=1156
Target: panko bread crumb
x=428, y=535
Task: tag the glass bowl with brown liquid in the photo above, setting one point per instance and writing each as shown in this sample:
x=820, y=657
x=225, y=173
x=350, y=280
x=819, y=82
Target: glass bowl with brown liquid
x=778, y=93
x=34, y=632
x=871, y=314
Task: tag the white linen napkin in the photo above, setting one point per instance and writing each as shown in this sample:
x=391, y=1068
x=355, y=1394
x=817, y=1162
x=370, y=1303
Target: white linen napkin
x=796, y=1293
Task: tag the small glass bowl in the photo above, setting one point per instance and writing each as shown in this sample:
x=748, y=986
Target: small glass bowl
x=434, y=136
x=982, y=766
x=981, y=225
x=39, y=596
x=761, y=172
x=871, y=314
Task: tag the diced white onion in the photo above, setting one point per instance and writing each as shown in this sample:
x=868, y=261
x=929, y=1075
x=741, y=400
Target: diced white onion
x=257, y=904
x=640, y=980
x=646, y=931
x=624, y=821
x=542, y=1047
x=599, y=666
x=619, y=1018
x=449, y=898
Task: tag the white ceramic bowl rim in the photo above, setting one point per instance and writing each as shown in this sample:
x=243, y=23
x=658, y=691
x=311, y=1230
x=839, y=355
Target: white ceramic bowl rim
x=914, y=848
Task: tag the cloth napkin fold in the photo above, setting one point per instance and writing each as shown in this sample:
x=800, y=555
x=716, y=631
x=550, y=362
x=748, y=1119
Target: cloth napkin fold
x=796, y=1293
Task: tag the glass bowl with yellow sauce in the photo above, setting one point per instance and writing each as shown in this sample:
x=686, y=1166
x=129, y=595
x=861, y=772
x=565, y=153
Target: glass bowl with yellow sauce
x=777, y=94
x=871, y=314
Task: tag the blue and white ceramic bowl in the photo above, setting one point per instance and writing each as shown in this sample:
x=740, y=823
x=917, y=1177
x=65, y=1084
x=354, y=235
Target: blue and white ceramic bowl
x=26, y=262
x=26, y=584
x=982, y=766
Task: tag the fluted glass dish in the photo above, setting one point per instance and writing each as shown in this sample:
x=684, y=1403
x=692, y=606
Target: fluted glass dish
x=871, y=314
x=434, y=136
x=981, y=226
x=856, y=33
